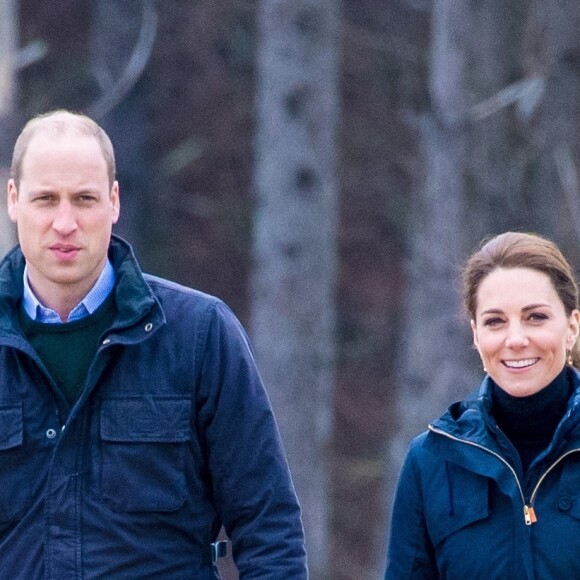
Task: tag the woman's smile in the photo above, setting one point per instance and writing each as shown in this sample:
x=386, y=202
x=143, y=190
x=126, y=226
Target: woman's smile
x=521, y=329
x=519, y=364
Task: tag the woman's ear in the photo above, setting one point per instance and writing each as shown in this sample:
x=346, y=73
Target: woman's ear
x=474, y=331
x=574, y=327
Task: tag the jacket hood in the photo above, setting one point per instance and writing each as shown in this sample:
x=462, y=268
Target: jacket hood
x=464, y=418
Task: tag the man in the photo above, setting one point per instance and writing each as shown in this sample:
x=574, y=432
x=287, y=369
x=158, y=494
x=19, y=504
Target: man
x=133, y=422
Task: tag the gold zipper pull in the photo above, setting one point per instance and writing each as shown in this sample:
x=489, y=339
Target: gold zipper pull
x=530, y=515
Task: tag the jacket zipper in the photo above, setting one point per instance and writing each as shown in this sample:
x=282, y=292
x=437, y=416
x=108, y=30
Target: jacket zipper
x=529, y=512
x=535, y=490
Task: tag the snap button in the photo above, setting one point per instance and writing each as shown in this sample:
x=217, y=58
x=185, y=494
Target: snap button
x=148, y=327
x=564, y=503
x=51, y=433
x=106, y=341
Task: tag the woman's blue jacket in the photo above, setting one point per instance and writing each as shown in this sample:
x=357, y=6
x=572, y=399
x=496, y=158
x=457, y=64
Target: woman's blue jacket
x=464, y=510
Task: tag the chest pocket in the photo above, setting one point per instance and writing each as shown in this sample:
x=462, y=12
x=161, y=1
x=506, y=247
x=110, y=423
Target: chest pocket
x=143, y=446
x=15, y=497
x=456, y=501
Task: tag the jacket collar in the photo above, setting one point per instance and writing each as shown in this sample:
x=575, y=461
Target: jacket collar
x=470, y=419
x=133, y=294
x=134, y=297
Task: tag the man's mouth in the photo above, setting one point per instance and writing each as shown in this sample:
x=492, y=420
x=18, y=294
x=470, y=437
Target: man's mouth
x=65, y=252
x=520, y=364
x=65, y=249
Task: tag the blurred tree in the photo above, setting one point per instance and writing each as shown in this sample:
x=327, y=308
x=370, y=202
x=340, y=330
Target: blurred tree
x=383, y=71
x=435, y=364
x=550, y=181
x=295, y=241
x=200, y=122
x=8, y=47
x=62, y=78
x=122, y=37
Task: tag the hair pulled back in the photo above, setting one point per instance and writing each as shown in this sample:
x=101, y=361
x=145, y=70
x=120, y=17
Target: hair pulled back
x=519, y=250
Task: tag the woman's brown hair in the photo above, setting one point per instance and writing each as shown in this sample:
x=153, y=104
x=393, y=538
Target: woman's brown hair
x=519, y=250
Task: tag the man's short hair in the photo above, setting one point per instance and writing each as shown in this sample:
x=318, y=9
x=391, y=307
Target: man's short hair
x=61, y=122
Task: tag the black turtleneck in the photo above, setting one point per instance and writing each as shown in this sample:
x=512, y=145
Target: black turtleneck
x=530, y=422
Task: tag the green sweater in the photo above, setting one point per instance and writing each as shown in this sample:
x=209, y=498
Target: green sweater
x=68, y=349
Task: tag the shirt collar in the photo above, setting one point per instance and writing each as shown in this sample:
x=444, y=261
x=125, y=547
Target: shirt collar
x=96, y=296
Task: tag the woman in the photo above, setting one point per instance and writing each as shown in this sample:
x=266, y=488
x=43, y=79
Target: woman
x=492, y=489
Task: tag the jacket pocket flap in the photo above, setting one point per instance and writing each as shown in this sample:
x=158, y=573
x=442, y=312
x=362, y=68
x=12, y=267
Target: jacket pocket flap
x=10, y=426
x=145, y=419
x=458, y=499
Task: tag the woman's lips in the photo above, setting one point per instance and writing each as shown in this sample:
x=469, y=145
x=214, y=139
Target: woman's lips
x=521, y=363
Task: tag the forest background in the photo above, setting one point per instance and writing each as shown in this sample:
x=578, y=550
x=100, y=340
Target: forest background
x=324, y=167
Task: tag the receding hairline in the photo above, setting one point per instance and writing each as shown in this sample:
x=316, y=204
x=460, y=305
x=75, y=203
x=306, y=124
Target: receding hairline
x=62, y=123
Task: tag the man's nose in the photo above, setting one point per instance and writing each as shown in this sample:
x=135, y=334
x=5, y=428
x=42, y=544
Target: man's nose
x=65, y=219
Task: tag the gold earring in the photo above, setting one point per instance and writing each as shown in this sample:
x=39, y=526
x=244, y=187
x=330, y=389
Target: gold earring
x=570, y=359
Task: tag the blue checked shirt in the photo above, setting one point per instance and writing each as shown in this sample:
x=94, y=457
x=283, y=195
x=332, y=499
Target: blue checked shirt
x=97, y=295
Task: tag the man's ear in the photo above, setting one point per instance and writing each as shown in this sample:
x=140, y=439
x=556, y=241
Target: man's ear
x=12, y=200
x=115, y=202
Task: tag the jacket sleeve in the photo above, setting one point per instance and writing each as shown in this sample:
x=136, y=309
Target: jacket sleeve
x=410, y=552
x=251, y=482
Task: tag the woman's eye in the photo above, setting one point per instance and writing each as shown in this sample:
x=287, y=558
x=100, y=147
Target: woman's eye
x=538, y=316
x=492, y=321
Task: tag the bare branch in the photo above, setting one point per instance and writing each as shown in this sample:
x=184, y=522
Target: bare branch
x=28, y=55
x=135, y=66
x=525, y=94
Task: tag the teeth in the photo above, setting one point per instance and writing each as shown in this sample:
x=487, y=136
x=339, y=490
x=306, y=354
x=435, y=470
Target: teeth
x=518, y=364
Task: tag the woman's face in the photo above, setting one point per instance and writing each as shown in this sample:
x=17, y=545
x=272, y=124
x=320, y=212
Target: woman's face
x=521, y=329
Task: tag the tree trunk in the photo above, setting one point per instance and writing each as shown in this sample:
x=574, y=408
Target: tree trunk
x=432, y=338
x=293, y=311
x=476, y=156
x=8, y=44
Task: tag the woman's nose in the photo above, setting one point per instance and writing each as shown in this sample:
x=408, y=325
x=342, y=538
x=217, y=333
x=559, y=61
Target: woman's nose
x=516, y=336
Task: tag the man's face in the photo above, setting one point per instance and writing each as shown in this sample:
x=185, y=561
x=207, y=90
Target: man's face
x=64, y=210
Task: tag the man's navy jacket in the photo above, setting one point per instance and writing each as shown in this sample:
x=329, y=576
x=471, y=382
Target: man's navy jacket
x=172, y=435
